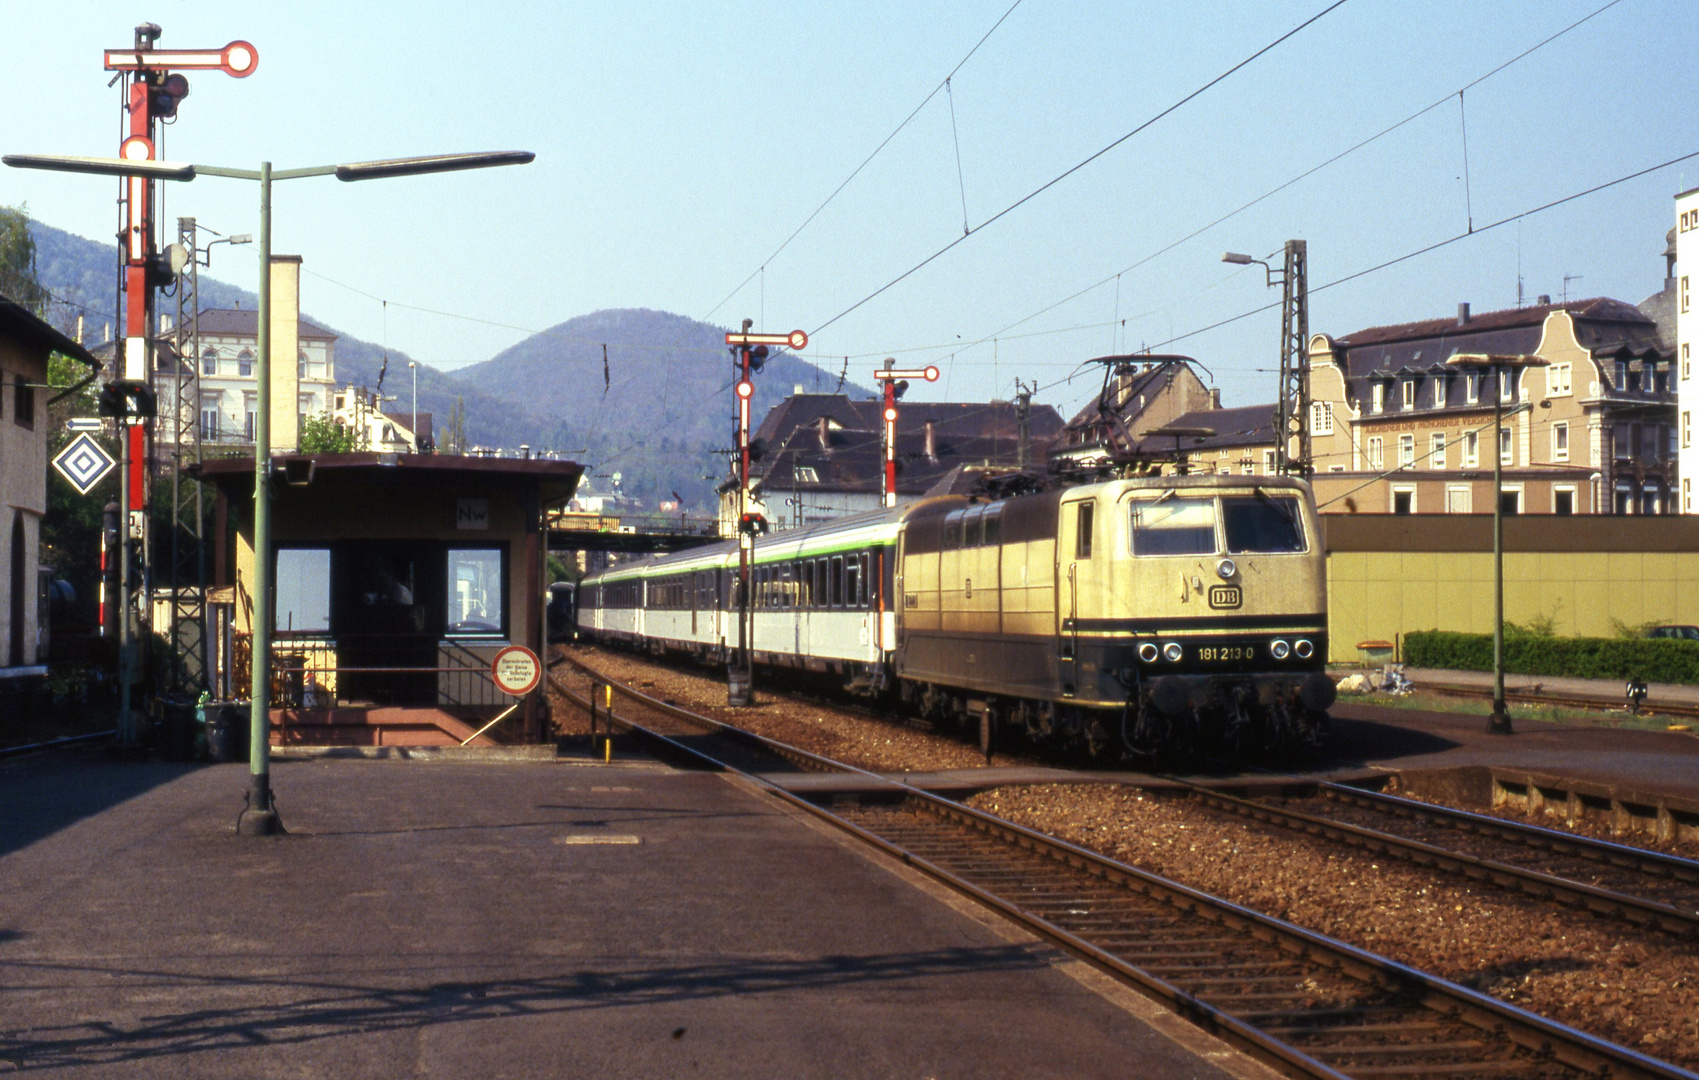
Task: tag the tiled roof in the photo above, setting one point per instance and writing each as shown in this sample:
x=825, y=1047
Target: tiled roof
x=244, y=322
x=996, y=419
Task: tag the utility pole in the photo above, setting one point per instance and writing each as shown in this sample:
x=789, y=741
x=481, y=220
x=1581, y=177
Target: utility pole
x=749, y=352
x=1023, y=422
x=1292, y=408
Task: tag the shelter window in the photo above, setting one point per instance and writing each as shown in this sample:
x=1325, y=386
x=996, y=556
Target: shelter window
x=303, y=591
x=1261, y=523
x=23, y=411
x=475, y=591
x=1173, y=526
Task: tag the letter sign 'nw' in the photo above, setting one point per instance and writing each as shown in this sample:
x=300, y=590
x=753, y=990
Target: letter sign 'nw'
x=472, y=514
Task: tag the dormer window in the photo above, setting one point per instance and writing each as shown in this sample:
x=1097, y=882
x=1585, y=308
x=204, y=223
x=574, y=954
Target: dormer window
x=1409, y=394
x=1379, y=397
x=1439, y=391
x=1622, y=374
x=1506, y=385
x=1472, y=388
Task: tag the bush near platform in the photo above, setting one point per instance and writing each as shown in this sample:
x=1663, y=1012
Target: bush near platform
x=1653, y=659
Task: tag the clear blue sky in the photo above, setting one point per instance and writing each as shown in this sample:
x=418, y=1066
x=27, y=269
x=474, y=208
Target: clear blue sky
x=678, y=145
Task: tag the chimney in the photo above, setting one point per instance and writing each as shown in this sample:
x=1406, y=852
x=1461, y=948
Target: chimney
x=825, y=429
x=1544, y=299
x=1462, y=314
x=1215, y=397
x=931, y=441
x=796, y=389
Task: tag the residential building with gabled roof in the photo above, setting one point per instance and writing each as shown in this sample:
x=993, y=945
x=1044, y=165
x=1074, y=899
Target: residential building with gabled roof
x=1394, y=428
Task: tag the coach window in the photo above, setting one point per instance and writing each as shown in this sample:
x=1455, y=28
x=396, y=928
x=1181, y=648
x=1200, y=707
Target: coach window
x=1082, y=541
x=865, y=596
x=970, y=526
x=991, y=526
x=852, y=582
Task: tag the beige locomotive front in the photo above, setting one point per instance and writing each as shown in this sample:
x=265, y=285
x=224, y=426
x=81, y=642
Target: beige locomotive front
x=1199, y=591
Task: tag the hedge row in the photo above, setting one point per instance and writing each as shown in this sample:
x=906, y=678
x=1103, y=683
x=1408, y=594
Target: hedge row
x=1653, y=659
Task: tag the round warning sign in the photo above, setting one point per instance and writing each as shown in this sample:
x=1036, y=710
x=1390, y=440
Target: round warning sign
x=516, y=671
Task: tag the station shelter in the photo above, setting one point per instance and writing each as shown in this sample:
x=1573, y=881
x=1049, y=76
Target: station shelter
x=397, y=579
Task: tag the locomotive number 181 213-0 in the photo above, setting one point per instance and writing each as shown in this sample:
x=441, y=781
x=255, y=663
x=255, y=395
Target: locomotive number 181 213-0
x=1209, y=653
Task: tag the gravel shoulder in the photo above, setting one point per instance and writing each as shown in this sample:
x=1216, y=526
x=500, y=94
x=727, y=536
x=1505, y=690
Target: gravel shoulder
x=1638, y=989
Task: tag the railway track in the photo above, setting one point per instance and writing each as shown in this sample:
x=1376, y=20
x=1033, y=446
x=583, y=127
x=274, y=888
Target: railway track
x=1303, y=1002
x=1615, y=880
x=55, y=744
x=1536, y=696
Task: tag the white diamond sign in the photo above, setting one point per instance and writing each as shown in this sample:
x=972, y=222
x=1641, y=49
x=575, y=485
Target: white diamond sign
x=84, y=463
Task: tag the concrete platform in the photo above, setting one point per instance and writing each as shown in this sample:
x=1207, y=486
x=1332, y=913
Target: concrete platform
x=512, y=919
x=1379, y=736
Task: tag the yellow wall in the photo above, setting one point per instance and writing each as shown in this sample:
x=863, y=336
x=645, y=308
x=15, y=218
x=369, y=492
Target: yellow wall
x=1382, y=594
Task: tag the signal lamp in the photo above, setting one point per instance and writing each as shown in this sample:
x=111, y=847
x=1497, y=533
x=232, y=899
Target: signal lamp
x=163, y=99
x=758, y=358
x=890, y=414
x=752, y=524
x=745, y=389
x=899, y=388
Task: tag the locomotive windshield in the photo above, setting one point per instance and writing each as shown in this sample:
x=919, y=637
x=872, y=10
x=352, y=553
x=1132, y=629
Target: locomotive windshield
x=1261, y=524
x=1169, y=526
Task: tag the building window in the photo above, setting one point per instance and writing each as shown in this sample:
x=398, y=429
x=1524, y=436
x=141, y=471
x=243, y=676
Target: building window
x=209, y=362
x=475, y=591
x=1268, y=460
x=245, y=363
x=1406, y=451
x=303, y=591
x=1439, y=391
x=1560, y=441
x=1436, y=453
x=1471, y=449
x=1377, y=452
x=1686, y=362
x=1379, y=397
x=1557, y=380
x=1409, y=394
x=1684, y=296
x=23, y=403
x=1624, y=499
x=1321, y=418
x=1404, y=500
x=1649, y=499
x=1472, y=388
x=304, y=403
x=1457, y=499
x=1619, y=440
x=209, y=419
x=805, y=474
x=1622, y=374
x=1687, y=495
x=1506, y=451
x=1506, y=385
x=1563, y=501
x=1510, y=500
x=301, y=366
x=249, y=405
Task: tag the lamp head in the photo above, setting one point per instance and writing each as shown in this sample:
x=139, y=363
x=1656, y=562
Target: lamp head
x=1236, y=258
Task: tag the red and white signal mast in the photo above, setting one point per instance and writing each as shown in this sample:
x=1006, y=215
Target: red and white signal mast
x=155, y=88
x=896, y=382
x=750, y=351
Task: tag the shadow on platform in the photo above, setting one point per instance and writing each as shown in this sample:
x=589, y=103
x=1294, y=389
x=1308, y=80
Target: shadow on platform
x=43, y=794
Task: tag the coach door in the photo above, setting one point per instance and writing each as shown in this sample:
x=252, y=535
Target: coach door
x=1073, y=570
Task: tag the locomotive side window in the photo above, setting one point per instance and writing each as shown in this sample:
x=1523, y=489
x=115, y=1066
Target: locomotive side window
x=970, y=526
x=1260, y=523
x=991, y=526
x=1082, y=541
x=952, y=530
x=1173, y=527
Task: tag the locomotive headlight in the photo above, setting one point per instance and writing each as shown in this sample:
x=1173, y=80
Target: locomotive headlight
x=1279, y=649
x=1303, y=648
x=1226, y=568
x=1173, y=652
x=1147, y=652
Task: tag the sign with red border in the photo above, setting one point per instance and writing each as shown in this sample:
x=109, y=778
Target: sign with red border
x=516, y=670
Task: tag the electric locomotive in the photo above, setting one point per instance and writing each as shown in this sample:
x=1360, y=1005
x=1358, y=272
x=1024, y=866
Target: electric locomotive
x=1135, y=616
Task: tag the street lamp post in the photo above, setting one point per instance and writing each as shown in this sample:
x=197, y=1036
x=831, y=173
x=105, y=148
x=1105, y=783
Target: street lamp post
x=413, y=420
x=260, y=817
x=1502, y=367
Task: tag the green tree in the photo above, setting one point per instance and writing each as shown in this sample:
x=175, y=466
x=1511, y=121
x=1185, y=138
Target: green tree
x=17, y=260
x=454, y=437
x=323, y=434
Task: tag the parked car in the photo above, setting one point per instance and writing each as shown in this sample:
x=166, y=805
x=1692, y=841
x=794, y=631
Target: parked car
x=1684, y=633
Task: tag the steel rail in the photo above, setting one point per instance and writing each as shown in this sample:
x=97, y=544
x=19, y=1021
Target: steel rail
x=1546, y=1042
x=54, y=744
x=1602, y=901
x=1541, y=697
